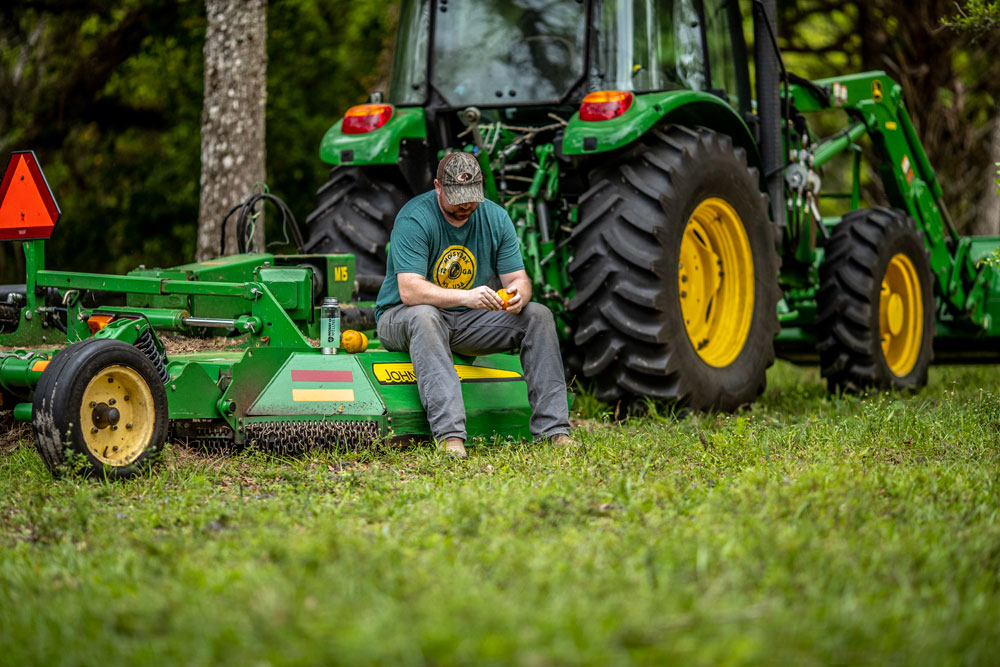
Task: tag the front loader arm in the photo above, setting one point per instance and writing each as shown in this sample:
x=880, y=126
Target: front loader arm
x=875, y=102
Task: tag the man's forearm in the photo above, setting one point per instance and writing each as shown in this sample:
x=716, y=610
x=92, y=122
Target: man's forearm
x=422, y=292
x=523, y=286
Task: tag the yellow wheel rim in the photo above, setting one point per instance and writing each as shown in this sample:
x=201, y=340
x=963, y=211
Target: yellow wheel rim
x=901, y=315
x=117, y=415
x=716, y=282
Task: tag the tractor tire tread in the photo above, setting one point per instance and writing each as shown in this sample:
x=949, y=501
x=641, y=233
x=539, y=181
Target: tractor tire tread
x=849, y=344
x=54, y=414
x=628, y=218
x=355, y=212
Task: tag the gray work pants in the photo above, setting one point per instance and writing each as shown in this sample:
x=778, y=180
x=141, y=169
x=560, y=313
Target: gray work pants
x=430, y=335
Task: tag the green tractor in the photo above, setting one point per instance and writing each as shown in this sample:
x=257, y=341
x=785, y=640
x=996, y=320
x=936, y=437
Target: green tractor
x=672, y=224
x=675, y=226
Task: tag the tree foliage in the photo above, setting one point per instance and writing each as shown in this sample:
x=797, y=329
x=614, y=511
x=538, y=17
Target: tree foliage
x=950, y=82
x=111, y=100
x=977, y=15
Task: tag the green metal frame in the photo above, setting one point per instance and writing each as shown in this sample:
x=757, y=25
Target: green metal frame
x=965, y=286
x=272, y=372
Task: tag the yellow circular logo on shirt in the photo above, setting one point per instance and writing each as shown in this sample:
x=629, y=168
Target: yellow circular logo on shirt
x=455, y=268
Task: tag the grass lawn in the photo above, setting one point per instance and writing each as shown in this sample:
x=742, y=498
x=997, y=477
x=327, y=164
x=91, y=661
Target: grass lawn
x=806, y=531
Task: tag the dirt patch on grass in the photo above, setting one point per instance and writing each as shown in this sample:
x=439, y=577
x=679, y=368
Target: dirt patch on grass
x=13, y=433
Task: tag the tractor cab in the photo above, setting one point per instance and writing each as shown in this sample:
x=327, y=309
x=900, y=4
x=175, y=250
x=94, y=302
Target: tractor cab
x=555, y=52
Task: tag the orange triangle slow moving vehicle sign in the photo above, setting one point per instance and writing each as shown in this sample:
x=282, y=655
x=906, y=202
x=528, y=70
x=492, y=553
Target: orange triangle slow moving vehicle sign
x=28, y=211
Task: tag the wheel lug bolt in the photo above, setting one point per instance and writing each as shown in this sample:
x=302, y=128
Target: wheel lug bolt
x=683, y=294
x=114, y=427
x=126, y=397
x=115, y=448
x=128, y=426
x=93, y=404
x=94, y=430
x=111, y=401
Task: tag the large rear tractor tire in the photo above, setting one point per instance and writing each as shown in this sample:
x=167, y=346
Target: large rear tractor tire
x=355, y=212
x=102, y=403
x=676, y=274
x=875, y=304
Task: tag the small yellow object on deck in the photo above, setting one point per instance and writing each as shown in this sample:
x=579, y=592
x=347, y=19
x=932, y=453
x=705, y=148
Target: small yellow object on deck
x=352, y=341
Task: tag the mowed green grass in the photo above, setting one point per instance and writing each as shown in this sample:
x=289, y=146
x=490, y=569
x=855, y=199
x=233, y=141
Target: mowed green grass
x=808, y=531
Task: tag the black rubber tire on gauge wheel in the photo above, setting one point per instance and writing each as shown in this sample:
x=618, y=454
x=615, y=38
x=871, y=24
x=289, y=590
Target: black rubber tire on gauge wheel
x=355, y=212
x=875, y=304
x=676, y=274
x=103, y=402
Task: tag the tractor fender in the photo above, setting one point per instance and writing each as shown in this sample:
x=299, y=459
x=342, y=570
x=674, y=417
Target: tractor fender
x=378, y=147
x=677, y=107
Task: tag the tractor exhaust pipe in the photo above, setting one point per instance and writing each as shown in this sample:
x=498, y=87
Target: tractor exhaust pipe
x=768, y=63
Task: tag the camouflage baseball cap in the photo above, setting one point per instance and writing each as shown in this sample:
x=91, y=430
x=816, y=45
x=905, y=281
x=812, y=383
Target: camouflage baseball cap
x=460, y=178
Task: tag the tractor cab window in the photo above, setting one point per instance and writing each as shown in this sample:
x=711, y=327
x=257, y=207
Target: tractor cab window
x=642, y=45
x=718, y=31
x=507, y=52
x=409, y=66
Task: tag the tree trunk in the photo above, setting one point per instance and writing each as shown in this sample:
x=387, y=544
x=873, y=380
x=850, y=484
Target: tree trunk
x=988, y=220
x=232, y=120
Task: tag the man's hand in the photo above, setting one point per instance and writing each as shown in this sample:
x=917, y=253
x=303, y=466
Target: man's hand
x=483, y=297
x=518, y=285
x=516, y=304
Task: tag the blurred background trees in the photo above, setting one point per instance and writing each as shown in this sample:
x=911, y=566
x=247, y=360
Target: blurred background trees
x=111, y=100
x=109, y=93
x=949, y=66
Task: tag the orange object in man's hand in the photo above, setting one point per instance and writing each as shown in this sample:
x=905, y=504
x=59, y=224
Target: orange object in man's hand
x=504, y=296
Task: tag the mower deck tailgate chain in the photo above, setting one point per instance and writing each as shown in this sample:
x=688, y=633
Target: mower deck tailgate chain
x=295, y=437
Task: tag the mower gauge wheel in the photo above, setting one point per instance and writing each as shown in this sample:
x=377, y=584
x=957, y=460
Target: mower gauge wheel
x=104, y=401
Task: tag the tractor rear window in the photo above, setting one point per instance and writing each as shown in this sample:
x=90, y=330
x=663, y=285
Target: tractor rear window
x=507, y=53
x=409, y=67
x=641, y=45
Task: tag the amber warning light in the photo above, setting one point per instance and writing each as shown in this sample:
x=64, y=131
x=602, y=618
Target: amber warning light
x=605, y=104
x=28, y=211
x=366, y=118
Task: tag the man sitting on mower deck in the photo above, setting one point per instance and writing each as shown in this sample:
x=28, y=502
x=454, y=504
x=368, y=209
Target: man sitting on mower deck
x=446, y=245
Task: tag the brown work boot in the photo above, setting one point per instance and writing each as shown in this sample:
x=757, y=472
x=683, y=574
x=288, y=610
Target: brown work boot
x=563, y=440
x=455, y=447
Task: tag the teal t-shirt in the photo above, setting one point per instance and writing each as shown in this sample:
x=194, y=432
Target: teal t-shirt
x=423, y=242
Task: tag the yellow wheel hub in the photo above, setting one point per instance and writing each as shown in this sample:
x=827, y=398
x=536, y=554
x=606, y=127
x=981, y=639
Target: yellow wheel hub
x=901, y=315
x=117, y=415
x=716, y=282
